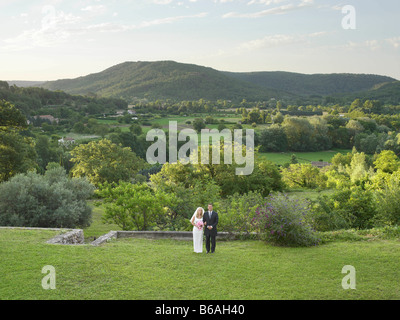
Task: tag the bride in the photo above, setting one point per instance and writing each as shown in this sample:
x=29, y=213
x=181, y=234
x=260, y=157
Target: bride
x=197, y=222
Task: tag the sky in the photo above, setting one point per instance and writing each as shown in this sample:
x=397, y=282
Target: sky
x=58, y=39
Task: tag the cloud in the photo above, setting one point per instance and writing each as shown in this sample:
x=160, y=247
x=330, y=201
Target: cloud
x=265, y=2
x=371, y=45
x=114, y=27
x=395, y=42
x=162, y=1
x=367, y=44
x=269, y=41
x=58, y=27
x=99, y=9
x=55, y=28
x=167, y=20
x=282, y=9
x=278, y=40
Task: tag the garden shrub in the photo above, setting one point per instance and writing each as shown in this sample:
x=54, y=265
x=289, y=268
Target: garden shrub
x=286, y=221
x=133, y=206
x=50, y=201
x=350, y=208
x=236, y=212
x=388, y=205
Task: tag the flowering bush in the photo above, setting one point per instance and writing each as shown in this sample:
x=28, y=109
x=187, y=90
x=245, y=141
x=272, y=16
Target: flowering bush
x=285, y=221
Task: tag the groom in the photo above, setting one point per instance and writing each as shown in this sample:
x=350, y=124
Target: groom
x=211, y=218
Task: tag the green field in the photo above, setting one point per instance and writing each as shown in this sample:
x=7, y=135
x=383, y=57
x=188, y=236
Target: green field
x=97, y=227
x=302, y=157
x=78, y=136
x=278, y=158
x=168, y=269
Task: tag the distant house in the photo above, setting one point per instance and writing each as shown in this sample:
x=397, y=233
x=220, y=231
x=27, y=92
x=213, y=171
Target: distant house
x=320, y=164
x=66, y=141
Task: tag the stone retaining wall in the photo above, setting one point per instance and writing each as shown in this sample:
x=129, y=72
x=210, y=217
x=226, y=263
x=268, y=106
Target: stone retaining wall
x=72, y=237
x=76, y=236
x=105, y=238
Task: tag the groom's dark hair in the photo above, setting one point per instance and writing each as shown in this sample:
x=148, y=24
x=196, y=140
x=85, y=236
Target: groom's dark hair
x=210, y=204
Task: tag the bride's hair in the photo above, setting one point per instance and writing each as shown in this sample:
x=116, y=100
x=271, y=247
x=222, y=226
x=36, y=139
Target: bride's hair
x=202, y=212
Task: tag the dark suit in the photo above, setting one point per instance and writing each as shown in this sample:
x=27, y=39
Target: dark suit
x=210, y=234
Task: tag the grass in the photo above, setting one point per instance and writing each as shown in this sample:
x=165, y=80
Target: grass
x=302, y=157
x=98, y=227
x=145, y=269
x=168, y=269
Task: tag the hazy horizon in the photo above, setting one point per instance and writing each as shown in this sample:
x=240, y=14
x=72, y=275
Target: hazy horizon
x=58, y=39
x=83, y=75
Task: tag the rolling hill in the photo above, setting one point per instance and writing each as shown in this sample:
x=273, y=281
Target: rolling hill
x=179, y=81
x=313, y=84
x=388, y=92
x=164, y=80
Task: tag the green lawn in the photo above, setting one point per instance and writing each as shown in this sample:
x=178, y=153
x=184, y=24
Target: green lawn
x=97, y=228
x=168, y=269
x=303, y=157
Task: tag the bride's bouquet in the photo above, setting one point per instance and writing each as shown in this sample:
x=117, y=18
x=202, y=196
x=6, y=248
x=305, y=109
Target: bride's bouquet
x=200, y=225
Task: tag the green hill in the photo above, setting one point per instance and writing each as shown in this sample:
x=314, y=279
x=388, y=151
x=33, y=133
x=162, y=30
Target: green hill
x=313, y=84
x=179, y=81
x=164, y=80
x=388, y=93
x=33, y=101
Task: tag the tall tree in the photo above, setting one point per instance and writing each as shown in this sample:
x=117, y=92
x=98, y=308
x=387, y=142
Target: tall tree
x=11, y=119
x=198, y=124
x=387, y=161
x=273, y=139
x=16, y=151
x=299, y=133
x=103, y=161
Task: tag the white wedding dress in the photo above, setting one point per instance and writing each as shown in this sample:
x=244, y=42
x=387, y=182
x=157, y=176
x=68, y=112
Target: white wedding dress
x=197, y=236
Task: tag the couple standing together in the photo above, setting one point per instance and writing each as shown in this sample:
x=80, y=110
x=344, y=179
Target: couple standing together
x=206, y=221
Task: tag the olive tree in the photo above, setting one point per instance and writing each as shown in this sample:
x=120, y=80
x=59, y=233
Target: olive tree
x=50, y=200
